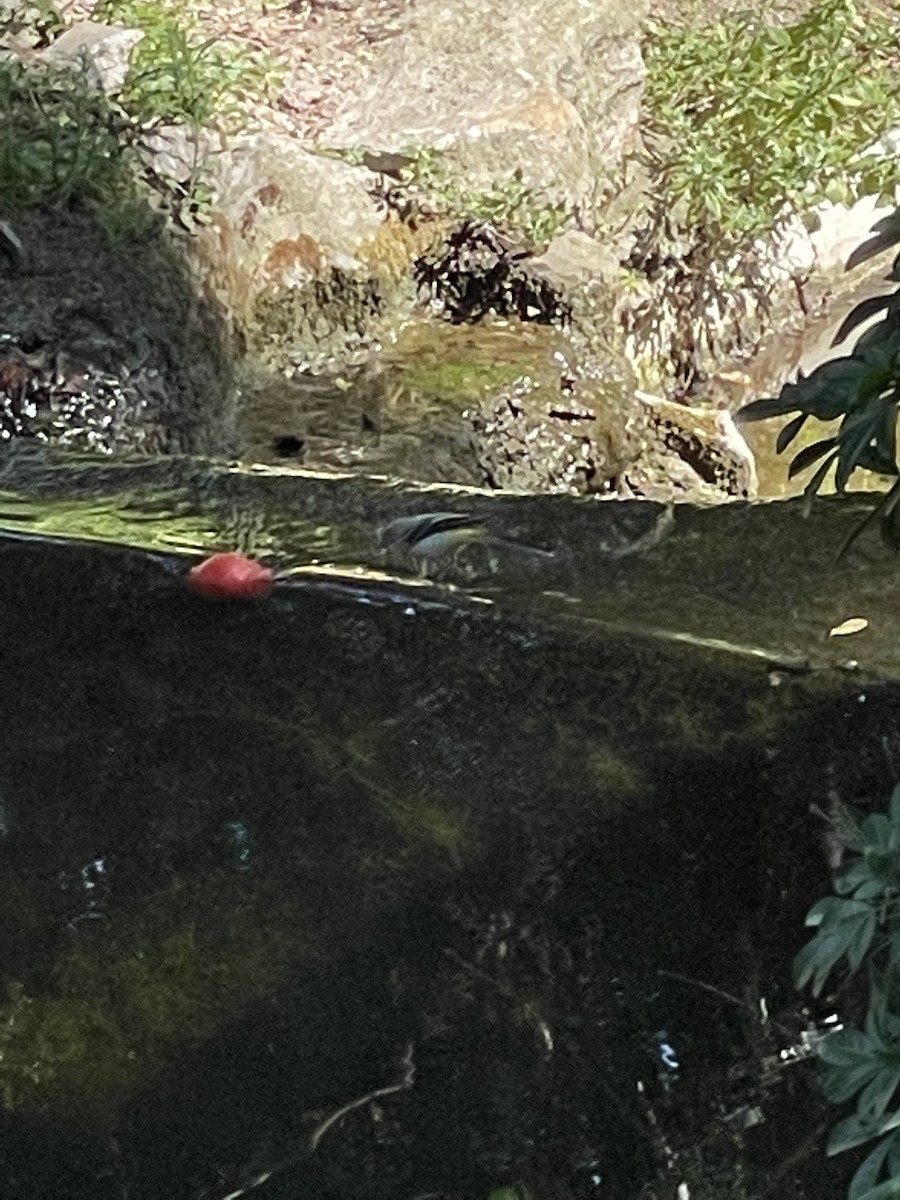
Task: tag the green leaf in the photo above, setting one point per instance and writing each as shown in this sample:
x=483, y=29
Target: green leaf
x=894, y=806
x=828, y=909
x=861, y=939
x=854, y=1131
x=879, y=834
x=863, y=311
x=888, y=1190
x=882, y=513
x=876, y=1095
x=886, y=233
x=871, y=889
x=846, y=927
x=810, y=454
x=857, y=431
x=866, y=1175
x=830, y=391
x=809, y=492
x=765, y=408
x=864, y=1184
x=886, y=512
x=845, y=1048
x=853, y=874
x=849, y=1133
x=788, y=432
x=881, y=1023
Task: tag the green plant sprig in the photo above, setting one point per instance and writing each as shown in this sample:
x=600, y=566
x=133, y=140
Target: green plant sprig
x=861, y=390
x=861, y=924
x=178, y=74
x=59, y=140
x=509, y=203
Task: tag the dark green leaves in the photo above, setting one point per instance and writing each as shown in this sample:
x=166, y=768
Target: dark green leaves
x=810, y=454
x=885, y=233
x=846, y=928
x=856, y=1062
x=864, y=311
x=885, y=1157
x=867, y=887
x=60, y=140
x=861, y=924
x=861, y=391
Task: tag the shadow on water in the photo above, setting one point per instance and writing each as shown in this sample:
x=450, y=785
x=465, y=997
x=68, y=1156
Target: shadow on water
x=360, y=894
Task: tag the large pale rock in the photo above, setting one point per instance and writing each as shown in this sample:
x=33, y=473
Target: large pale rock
x=101, y=52
x=296, y=212
x=285, y=234
x=19, y=28
x=574, y=259
x=552, y=91
x=697, y=452
x=608, y=440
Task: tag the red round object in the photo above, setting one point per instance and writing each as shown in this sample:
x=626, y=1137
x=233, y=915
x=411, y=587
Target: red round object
x=230, y=576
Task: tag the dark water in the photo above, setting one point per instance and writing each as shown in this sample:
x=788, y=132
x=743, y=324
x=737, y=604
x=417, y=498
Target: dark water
x=508, y=893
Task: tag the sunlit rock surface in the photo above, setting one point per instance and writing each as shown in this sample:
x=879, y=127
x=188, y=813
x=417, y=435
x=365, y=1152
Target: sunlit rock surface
x=552, y=92
x=100, y=53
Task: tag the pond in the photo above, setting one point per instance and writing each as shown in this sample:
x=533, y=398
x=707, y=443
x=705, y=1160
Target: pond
x=392, y=887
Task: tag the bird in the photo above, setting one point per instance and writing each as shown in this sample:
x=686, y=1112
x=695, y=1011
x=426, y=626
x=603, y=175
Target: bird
x=434, y=535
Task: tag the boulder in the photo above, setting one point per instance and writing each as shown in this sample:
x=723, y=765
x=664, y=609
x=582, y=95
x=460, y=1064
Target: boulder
x=552, y=92
x=604, y=438
x=285, y=248
x=105, y=344
x=102, y=53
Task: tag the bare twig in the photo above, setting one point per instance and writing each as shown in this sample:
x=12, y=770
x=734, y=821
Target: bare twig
x=727, y=996
x=406, y=1080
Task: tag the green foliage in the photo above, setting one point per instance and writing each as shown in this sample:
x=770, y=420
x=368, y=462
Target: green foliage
x=59, y=140
x=62, y=140
x=862, y=924
x=177, y=74
x=748, y=121
x=509, y=203
x=861, y=390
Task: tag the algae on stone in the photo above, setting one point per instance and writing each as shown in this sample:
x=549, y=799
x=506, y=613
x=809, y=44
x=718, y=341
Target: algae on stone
x=117, y=1014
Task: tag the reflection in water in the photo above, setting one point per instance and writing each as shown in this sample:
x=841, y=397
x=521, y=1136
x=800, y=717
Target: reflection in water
x=267, y=858
x=238, y=844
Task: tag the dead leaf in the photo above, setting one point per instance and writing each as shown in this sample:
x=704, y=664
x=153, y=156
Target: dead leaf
x=851, y=625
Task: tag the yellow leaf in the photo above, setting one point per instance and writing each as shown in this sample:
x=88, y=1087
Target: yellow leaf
x=851, y=625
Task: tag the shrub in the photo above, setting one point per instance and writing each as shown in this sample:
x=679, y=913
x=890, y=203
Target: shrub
x=861, y=924
x=748, y=124
x=178, y=74
x=748, y=120
x=59, y=140
x=862, y=390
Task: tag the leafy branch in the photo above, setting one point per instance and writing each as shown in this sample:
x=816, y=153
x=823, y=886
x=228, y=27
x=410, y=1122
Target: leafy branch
x=861, y=390
x=734, y=148
x=861, y=924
